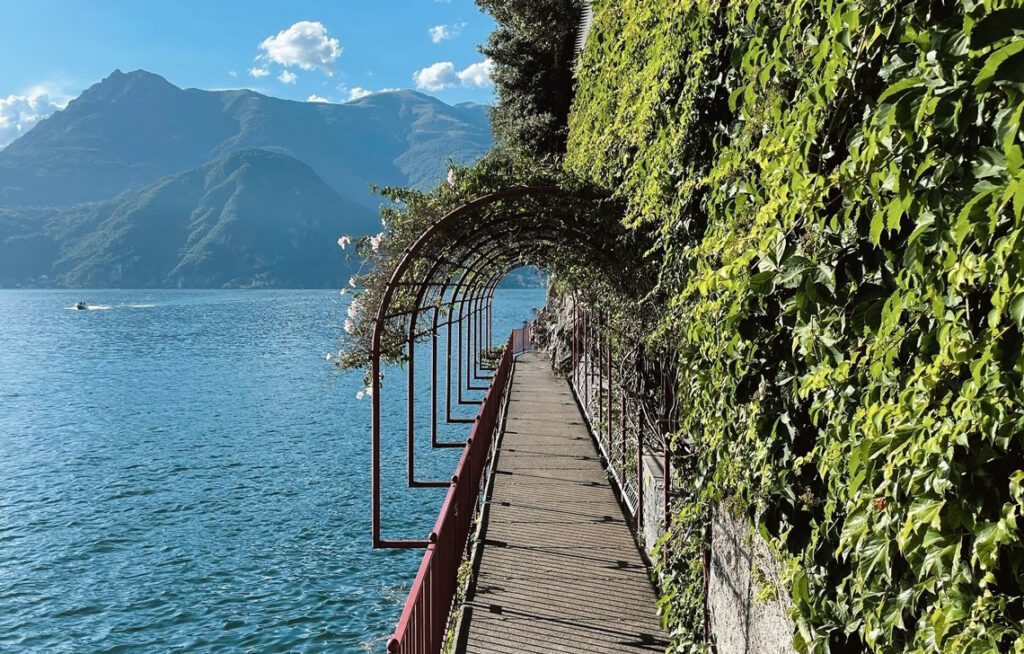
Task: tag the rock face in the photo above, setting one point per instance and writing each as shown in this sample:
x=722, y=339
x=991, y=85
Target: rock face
x=553, y=333
x=743, y=572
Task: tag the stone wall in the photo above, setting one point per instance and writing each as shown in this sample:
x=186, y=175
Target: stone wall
x=654, y=503
x=742, y=568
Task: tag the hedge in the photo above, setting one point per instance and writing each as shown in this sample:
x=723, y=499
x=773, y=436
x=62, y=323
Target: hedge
x=837, y=192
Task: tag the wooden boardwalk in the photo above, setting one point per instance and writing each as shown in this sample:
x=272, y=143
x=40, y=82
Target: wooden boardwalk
x=559, y=571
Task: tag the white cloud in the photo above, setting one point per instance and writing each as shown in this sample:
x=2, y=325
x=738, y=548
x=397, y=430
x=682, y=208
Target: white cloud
x=442, y=75
x=19, y=113
x=287, y=77
x=478, y=74
x=440, y=33
x=436, y=76
x=232, y=73
x=317, y=98
x=358, y=92
x=257, y=72
x=305, y=44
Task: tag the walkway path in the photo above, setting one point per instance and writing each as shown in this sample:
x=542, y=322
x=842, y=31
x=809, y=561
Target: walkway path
x=559, y=570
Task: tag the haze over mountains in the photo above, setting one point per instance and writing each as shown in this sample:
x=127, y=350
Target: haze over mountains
x=139, y=183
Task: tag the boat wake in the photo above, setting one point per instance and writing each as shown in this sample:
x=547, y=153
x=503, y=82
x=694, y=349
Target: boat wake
x=107, y=307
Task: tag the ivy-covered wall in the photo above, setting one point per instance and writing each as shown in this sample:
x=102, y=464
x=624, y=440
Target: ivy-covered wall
x=837, y=192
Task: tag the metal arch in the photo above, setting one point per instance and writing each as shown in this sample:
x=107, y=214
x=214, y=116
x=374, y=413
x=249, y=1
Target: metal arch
x=410, y=391
x=526, y=233
x=483, y=257
x=408, y=256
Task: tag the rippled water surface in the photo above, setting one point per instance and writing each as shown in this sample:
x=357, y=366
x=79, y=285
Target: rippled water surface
x=182, y=471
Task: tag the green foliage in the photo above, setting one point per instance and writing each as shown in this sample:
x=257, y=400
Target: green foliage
x=837, y=191
x=575, y=235
x=533, y=50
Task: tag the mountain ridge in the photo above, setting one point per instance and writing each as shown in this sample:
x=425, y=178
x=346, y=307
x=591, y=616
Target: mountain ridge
x=253, y=218
x=133, y=128
x=138, y=182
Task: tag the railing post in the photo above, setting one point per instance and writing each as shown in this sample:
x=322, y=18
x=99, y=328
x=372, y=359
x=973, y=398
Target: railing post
x=586, y=359
x=622, y=433
x=639, y=468
x=601, y=329
x=610, y=384
x=666, y=480
x=575, y=335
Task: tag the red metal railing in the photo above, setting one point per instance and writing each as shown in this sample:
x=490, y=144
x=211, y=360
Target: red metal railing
x=522, y=338
x=424, y=621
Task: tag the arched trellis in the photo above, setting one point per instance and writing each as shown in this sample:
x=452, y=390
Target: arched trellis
x=444, y=282
x=460, y=259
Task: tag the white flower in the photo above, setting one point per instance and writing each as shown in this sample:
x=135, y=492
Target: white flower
x=360, y=394
x=344, y=241
x=353, y=309
x=343, y=292
x=350, y=325
x=364, y=392
x=451, y=177
x=375, y=241
x=352, y=281
x=328, y=356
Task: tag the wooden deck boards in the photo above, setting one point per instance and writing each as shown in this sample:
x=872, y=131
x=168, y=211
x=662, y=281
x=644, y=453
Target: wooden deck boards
x=559, y=570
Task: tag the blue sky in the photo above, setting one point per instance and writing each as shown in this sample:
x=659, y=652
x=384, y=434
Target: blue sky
x=50, y=50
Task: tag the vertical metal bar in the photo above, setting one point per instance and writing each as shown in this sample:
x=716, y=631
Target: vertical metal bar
x=471, y=352
x=610, y=384
x=586, y=358
x=666, y=428
x=639, y=469
x=458, y=376
x=575, y=335
x=433, y=382
x=707, y=582
x=666, y=483
x=410, y=409
x=477, y=360
x=448, y=371
x=622, y=433
x=375, y=441
x=600, y=372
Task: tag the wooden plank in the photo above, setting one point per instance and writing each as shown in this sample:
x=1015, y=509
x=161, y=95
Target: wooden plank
x=559, y=569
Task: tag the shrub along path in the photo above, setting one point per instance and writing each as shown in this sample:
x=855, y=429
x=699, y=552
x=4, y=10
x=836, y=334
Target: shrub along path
x=559, y=570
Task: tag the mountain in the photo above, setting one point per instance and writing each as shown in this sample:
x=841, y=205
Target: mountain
x=249, y=218
x=132, y=129
x=140, y=183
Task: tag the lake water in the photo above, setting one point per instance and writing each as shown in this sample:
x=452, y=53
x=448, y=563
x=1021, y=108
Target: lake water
x=183, y=471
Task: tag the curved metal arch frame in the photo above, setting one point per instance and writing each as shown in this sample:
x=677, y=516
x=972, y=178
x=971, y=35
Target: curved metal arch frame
x=488, y=294
x=429, y=282
x=477, y=296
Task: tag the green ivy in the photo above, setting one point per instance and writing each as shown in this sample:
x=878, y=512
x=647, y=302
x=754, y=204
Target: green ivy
x=837, y=195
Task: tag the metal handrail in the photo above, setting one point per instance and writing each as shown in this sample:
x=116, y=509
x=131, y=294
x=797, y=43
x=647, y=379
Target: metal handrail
x=424, y=621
